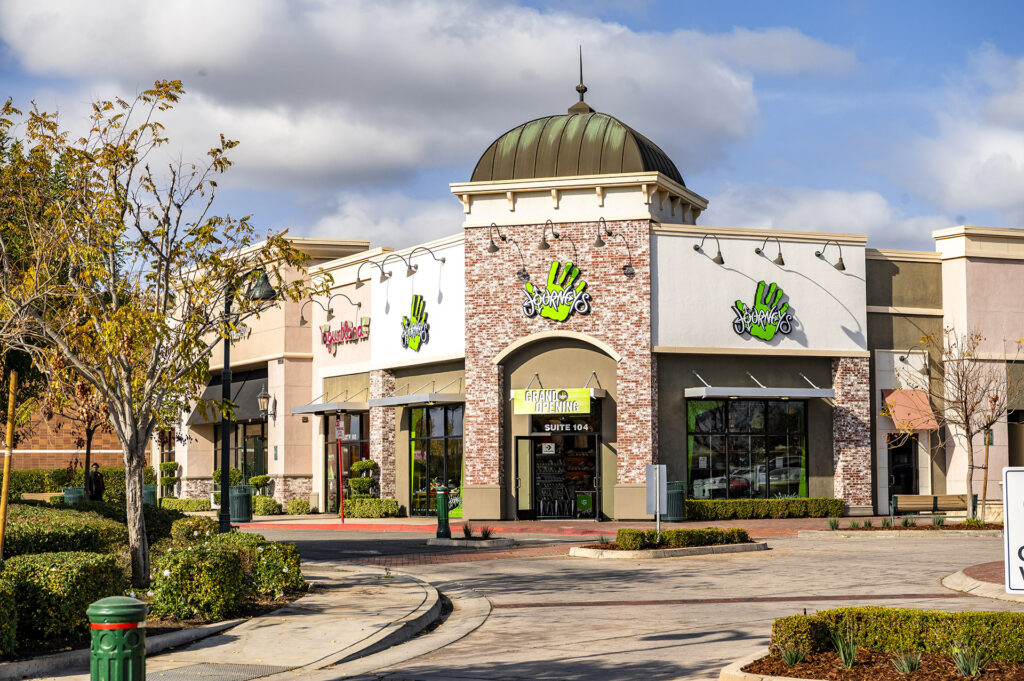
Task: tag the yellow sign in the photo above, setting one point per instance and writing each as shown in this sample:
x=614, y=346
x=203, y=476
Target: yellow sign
x=554, y=401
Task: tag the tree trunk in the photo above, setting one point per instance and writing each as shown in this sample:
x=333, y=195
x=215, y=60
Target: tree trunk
x=134, y=464
x=984, y=484
x=970, y=472
x=88, y=448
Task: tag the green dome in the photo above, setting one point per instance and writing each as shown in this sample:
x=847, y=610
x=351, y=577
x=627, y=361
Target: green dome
x=578, y=143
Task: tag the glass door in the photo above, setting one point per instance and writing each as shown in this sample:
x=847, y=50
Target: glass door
x=522, y=483
x=903, y=464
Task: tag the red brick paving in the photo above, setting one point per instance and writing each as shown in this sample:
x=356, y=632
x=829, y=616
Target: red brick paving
x=463, y=556
x=753, y=599
x=986, y=572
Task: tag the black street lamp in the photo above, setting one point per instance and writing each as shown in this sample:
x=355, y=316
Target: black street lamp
x=262, y=292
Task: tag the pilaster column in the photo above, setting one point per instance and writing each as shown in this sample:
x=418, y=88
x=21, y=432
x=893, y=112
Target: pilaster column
x=851, y=433
x=382, y=431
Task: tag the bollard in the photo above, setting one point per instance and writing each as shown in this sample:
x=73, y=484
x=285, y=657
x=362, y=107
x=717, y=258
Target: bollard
x=118, y=648
x=443, y=531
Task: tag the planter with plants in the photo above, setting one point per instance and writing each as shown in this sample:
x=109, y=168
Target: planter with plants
x=469, y=538
x=632, y=544
x=905, y=525
x=168, y=477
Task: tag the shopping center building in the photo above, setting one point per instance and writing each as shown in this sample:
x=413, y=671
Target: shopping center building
x=581, y=325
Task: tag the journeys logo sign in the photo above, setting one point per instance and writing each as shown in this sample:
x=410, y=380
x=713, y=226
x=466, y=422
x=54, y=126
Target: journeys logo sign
x=348, y=332
x=415, y=329
x=766, y=316
x=564, y=294
x=554, y=401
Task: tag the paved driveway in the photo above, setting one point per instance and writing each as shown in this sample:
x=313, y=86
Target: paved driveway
x=556, y=617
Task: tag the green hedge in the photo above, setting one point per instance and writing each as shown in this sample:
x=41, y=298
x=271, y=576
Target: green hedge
x=44, y=529
x=199, y=583
x=262, y=505
x=56, y=479
x=742, y=509
x=175, y=504
x=360, y=485
x=298, y=507
x=194, y=528
x=53, y=591
x=8, y=620
x=904, y=629
x=234, y=476
x=158, y=520
x=371, y=508
x=169, y=467
x=273, y=567
x=635, y=540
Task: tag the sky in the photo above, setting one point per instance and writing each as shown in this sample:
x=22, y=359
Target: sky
x=889, y=119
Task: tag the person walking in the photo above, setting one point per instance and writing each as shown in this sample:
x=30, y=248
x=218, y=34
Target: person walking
x=94, y=486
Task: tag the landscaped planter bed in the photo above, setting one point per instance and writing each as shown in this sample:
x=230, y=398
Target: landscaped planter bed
x=960, y=527
x=877, y=666
x=473, y=543
x=613, y=552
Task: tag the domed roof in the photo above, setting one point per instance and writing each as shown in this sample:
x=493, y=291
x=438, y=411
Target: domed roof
x=582, y=142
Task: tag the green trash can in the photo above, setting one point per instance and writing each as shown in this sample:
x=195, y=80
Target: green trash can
x=149, y=495
x=676, y=498
x=118, y=648
x=73, y=495
x=240, y=503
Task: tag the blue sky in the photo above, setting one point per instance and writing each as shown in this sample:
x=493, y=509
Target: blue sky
x=890, y=119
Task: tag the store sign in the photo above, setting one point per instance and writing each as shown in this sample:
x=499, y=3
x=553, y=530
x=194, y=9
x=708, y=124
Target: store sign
x=1013, y=529
x=555, y=401
x=766, y=316
x=564, y=294
x=415, y=329
x=348, y=332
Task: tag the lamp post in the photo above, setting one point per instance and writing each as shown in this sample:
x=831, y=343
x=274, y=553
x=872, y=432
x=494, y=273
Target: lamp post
x=263, y=291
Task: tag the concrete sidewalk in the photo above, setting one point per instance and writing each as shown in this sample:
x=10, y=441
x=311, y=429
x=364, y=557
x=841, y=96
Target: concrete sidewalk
x=351, y=612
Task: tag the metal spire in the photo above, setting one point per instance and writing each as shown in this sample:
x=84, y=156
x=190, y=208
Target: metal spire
x=581, y=107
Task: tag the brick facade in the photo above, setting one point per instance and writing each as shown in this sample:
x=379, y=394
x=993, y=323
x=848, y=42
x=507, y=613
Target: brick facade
x=382, y=432
x=620, y=316
x=851, y=430
x=289, y=487
x=55, y=443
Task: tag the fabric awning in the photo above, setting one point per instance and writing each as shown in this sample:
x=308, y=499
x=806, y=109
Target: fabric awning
x=418, y=398
x=330, y=407
x=910, y=409
x=722, y=392
x=245, y=386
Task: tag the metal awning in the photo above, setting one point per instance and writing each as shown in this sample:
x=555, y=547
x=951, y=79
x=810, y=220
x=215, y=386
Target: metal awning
x=245, y=386
x=721, y=392
x=418, y=398
x=330, y=407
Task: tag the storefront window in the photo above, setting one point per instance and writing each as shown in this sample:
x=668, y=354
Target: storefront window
x=743, y=449
x=435, y=441
x=346, y=440
x=248, y=451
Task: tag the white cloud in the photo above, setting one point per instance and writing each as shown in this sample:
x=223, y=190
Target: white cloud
x=323, y=94
x=389, y=219
x=822, y=210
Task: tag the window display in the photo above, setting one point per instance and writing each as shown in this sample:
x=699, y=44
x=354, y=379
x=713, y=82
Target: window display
x=435, y=440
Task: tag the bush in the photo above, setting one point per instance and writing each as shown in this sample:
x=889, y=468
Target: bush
x=45, y=529
x=193, y=528
x=273, y=567
x=363, y=465
x=8, y=620
x=234, y=475
x=185, y=504
x=169, y=467
x=158, y=520
x=742, y=509
x=198, y=582
x=360, y=485
x=169, y=480
x=53, y=591
x=260, y=482
x=635, y=540
x=896, y=630
x=55, y=480
x=371, y=508
x=262, y=505
x=298, y=507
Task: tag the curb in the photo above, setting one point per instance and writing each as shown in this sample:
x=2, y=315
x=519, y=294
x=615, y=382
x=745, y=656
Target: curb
x=733, y=671
x=421, y=529
x=20, y=669
x=892, y=534
x=651, y=554
x=959, y=581
x=472, y=543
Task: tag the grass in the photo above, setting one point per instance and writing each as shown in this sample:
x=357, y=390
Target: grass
x=907, y=521
x=854, y=524
x=793, y=655
x=846, y=647
x=938, y=521
x=907, y=662
x=833, y=523
x=970, y=658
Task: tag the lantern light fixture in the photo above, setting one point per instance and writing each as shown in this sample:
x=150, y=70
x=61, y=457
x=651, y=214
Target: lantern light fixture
x=266, y=403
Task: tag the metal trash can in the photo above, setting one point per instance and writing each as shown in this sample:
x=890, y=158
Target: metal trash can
x=240, y=503
x=73, y=495
x=149, y=495
x=676, y=502
x=118, y=648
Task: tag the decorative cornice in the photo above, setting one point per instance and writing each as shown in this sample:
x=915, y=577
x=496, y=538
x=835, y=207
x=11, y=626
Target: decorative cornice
x=749, y=233
x=902, y=256
x=912, y=311
x=782, y=352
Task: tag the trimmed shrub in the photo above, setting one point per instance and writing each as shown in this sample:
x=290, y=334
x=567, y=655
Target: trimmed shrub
x=53, y=590
x=8, y=620
x=273, y=567
x=363, y=465
x=158, y=520
x=895, y=630
x=234, y=475
x=193, y=528
x=45, y=529
x=298, y=507
x=169, y=480
x=260, y=482
x=742, y=509
x=262, y=505
x=169, y=467
x=634, y=540
x=199, y=582
x=371, y=508
x=360, y=485
x=193, y=505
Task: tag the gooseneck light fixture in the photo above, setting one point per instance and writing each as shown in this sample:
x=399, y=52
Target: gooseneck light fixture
x=839, y=263
x=544, y=245
x=493, y=247
x=627, y=269
x=330, y=311
x=424, y=248
x=602, y=227
x=778, y=258
x=522, y=275
x=302, y=317
x=410, y=269
x=718, y=259
x=384, y=276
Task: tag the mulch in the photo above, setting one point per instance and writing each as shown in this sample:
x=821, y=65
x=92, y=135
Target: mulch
x=923, y=528
x=872, y=665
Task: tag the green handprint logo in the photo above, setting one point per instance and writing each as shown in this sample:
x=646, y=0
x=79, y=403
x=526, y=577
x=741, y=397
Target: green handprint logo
x=765, y=316
x=565, y=293
x=415, y=329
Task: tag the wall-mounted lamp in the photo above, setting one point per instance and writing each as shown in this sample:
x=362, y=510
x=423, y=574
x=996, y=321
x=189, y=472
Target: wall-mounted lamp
x=410, y=269
x=821, y=254
x=266, y=403
x=424, y=248
x=778, y=259
x=544, y=245
x=627, y=269
x=493, y=247
x=718, y=259
x=302, y=317
x=602, y=227
x=330, y=311
x=384, y=276
x=522, y=274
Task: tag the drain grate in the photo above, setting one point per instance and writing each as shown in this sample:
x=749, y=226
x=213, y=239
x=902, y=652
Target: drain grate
x=207, y=671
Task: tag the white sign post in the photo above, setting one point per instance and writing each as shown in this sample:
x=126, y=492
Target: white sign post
x=1013, y=528
x=657, y=493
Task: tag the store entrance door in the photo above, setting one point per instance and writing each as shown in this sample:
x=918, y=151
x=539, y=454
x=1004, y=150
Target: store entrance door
x=903, y=464
x=557, y=477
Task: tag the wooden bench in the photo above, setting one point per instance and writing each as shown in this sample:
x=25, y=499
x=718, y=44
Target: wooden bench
x=933, y=504
x=40, y=496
